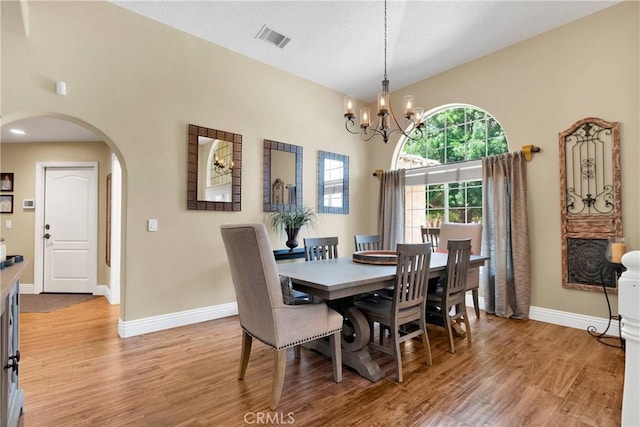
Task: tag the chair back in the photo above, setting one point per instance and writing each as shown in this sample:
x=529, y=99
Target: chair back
x=457, y=267
x=255, y=278
x=412, y=275
x=316, y=248
x=367, y=242
x=451, y=230
x=431, y=235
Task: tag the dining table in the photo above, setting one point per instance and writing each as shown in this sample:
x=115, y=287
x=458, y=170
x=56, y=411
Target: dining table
x=339, y=281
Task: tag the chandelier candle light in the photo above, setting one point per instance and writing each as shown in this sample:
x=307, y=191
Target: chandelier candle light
x=385, y=113
x=221, y=167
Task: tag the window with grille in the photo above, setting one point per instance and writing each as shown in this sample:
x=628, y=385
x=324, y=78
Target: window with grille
x=444, y=172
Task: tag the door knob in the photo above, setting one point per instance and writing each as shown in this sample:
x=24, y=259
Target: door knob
x=46, y=236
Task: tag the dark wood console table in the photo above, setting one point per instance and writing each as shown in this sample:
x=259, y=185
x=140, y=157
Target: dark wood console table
x=281, y=254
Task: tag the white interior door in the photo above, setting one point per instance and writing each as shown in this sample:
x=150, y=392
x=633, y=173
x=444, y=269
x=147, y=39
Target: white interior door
x=70, y=230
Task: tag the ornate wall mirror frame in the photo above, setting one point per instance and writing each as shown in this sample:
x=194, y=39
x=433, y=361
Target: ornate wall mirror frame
x=591, y=206
x=282, y=176
x=214, y=177
x=333, y=183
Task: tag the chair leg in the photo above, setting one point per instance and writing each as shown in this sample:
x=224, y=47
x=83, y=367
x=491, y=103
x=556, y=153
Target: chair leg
x=447, y=326
x=467, y=327
x=280, y=361
x=246, y=352
x=336, y=355
x=425, y=342
x=296, y=352
x=476, y=303
x=396, y=353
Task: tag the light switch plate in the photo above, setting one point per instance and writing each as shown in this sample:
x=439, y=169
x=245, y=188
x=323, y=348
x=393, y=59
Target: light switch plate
x=152, y=225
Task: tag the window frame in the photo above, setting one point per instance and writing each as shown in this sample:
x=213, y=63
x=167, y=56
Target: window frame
x=446, y=173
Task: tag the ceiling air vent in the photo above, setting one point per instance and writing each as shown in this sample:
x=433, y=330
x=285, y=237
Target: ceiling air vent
x=273, y=37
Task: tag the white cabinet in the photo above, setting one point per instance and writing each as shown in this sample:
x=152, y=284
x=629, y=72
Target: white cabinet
x=11, y=396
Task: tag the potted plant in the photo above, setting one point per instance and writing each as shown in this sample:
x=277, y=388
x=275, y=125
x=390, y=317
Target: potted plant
x=291, y=221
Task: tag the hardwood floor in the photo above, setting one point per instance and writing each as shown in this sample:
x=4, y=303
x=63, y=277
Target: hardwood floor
x=76, y=371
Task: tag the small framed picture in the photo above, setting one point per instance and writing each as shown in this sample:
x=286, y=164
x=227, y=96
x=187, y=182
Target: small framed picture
x=6, y=181
x=6, y=203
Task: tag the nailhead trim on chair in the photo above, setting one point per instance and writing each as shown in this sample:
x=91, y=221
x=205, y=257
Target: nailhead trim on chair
x=293, y=344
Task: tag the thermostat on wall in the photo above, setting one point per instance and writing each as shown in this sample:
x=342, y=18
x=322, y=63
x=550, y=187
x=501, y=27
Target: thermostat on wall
x=28, y=204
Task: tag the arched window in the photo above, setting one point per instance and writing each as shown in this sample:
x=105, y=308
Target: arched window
x=444, y=173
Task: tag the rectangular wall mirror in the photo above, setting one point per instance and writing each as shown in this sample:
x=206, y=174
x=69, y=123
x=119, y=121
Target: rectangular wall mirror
x=333, y=183
x=282, y=183
x=214, y=170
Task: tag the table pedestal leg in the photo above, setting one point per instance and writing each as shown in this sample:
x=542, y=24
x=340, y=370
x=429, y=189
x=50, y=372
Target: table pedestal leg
x=359, y=360
x=355, y=337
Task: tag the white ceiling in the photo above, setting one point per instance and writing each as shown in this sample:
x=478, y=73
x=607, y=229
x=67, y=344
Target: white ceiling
x=47, y=129
x=340, y=44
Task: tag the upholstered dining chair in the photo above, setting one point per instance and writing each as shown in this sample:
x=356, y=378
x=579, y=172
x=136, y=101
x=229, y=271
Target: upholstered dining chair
x=262, y=311
x=407, y=306
x=316, y=248
x=449, y=230
x=432, y=235
x=367, y=242
x=451, y=294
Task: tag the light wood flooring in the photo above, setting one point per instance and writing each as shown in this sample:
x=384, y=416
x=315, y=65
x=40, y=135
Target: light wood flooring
x=76, y=371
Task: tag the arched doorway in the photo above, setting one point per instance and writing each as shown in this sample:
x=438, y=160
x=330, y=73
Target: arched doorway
x=49, y=139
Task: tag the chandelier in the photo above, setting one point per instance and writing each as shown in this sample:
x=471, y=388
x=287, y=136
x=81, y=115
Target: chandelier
x=221, y=167
x=412, y=114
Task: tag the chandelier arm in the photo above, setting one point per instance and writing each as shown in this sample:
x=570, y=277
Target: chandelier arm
x=373, y=132
x=351, y=122
x=401, y=130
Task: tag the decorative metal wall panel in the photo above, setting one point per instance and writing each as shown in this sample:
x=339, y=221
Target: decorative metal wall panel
x=591, y=208
x=587, y=264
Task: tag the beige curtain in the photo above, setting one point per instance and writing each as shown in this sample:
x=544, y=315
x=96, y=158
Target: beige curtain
x=391, y=209
x=507, y=279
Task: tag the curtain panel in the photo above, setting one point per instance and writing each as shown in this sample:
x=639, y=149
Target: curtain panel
x=391, y=208
x=507, y=279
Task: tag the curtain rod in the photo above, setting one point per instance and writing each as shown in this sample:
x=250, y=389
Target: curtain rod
x=527, y=150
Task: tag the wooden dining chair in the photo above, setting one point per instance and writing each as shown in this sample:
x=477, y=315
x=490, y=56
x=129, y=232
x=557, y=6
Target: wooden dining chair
x=367, y=242
x=316, y=248
x=432, y=235
x=450, y=230
x=446, y=302
x=262, y=312
x=408, y=305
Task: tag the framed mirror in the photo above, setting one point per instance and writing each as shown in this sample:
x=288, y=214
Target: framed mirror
x=214, y=170
x=333, y=183
x=282, y=172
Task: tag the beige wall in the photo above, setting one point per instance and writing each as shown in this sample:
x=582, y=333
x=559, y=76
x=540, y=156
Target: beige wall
x=540, y=87
x=139, y=84
x=21, y=159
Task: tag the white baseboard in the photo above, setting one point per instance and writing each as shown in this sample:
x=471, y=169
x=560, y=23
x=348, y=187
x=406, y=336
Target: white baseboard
x=26, y=288
x=562, y=318
x=132, y=328
x=105, y=291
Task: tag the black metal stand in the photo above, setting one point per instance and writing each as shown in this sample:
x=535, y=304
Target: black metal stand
x=618, y=269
